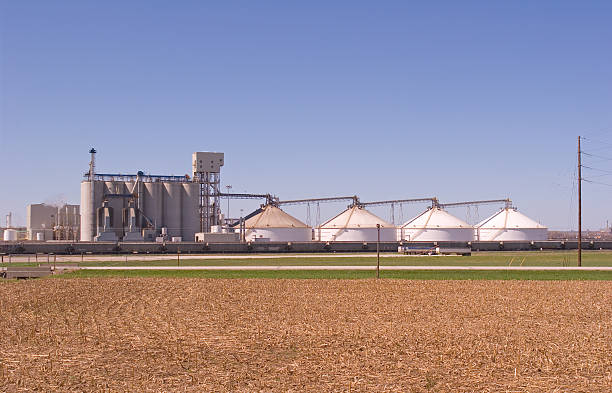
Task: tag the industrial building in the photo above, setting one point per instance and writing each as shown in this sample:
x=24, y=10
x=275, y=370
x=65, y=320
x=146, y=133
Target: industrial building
x=509, y=225
x=356, y=224
x=148, y=207
x=47, y=222
x=164, y=208
x=435, y=224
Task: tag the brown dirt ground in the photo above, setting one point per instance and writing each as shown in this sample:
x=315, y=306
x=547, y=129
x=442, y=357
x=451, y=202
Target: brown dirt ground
x=305, y=335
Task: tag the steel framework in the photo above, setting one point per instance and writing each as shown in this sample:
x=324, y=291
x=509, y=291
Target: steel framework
x=210, y=199
x=507, y=203
x=352, y=198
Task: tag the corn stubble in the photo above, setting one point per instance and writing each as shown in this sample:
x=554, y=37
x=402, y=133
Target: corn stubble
x=305, y=335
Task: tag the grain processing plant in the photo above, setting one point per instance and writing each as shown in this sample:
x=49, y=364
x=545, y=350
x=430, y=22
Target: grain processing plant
x=163, y=208
x=147, y=207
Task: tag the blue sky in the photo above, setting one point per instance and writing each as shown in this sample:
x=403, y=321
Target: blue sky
x=396, y=99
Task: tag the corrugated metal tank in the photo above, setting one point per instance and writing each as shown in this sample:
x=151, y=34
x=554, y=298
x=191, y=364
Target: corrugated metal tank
x=436, y=234
x=273, y=224
x=510, y=234
x=510, y=225
x=435, y=224
x=356, y=234
x=280, y=234
x=190, y=211
x=356, y=224
x=172, y=208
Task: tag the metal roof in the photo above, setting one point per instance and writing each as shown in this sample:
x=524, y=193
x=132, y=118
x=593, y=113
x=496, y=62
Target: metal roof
x=509, y=218
x=356, y=217
x=436, y=218
x=272, y=217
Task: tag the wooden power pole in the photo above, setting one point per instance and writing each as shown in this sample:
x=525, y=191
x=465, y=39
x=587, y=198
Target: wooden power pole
x=579, y=205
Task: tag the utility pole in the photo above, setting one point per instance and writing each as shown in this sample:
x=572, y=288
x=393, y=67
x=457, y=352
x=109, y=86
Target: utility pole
x=579, y=205
x=378, y=251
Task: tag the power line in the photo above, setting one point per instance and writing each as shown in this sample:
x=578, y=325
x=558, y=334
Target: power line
x=597, y=141
x=597, y=169
x=596, y=182
x=602, y=175
x=597, y=156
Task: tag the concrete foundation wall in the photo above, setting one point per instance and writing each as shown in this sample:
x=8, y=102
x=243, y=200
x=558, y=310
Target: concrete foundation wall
x=272, y=247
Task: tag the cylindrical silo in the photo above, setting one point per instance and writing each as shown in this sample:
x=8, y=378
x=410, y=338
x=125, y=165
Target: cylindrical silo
x=172, y=208
x=10, y=235
x=90, y=201
x=190, y=211
x=87, y=213
x=154, y=203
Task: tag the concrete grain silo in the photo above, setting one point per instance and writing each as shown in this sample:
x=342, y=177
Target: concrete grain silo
x=154, y=202
x=190, y=220
x=172, y=194
x=150, y=206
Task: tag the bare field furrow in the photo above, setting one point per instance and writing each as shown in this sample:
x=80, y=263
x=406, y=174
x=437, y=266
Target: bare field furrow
x=305, y=335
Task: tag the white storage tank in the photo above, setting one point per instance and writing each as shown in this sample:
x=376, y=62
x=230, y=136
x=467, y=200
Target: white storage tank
x=510, y=225
x=436, y=224
x=10, y=235
x=356, y=224
x=275, y=225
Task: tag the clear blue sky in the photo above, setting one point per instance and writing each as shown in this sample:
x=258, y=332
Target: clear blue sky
x=461, y=100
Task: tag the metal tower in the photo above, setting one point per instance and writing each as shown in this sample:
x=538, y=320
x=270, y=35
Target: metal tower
x=207, y=172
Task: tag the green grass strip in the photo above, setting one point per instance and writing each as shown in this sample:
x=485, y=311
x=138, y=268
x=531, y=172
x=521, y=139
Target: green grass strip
x=348, y=274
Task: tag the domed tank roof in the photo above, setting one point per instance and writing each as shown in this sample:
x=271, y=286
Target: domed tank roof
x=273, y=217
x=509, y=218
x=356, y=217
x=435, y=217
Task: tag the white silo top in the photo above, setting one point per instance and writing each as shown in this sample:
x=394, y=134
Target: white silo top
x=356, y=217
x=509, y=218
x=436, y=218
x=273, y=217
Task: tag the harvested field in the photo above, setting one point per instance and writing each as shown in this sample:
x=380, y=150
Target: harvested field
x=304, y=335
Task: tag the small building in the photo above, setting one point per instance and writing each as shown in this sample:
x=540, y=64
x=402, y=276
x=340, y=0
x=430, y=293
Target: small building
x=356, y=224
x=509, y=225
x=436, y=224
